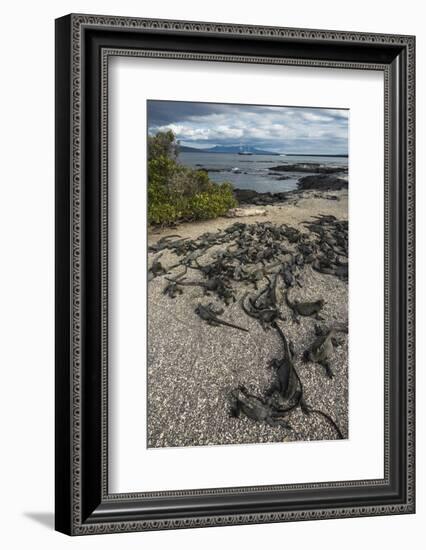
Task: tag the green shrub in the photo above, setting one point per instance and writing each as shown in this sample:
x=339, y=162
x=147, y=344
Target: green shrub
x=163, y=144
x=164, y=209
x=213, y=203
x=176, y=192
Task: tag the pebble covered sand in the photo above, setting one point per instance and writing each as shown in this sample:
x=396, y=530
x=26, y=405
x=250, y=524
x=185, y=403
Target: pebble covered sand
x=193, y=366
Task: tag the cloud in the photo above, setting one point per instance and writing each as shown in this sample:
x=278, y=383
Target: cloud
x=188, y=132
x=281, y=129
x=314, y=117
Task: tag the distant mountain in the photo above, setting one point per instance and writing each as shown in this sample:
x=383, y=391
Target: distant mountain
x=185, y=149
x=230, y=149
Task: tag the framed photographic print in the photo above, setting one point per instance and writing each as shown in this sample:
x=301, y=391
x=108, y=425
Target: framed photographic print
x=234, y=274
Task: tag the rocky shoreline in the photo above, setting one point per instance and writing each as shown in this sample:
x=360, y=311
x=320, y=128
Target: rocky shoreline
x=321, y=182
x=280, y=171
x=310, y=167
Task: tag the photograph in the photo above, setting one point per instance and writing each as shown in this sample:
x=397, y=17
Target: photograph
x=248, y=269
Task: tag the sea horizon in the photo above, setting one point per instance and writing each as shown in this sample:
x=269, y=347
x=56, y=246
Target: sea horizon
x=254, y=171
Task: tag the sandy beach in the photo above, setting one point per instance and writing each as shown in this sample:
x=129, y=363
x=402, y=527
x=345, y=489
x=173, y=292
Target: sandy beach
x=193, y=366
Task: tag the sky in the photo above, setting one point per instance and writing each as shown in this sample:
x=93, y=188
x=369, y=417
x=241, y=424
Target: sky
x=301, y=130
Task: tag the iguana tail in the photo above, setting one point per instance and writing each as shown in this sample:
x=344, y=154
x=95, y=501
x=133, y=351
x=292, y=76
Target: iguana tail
x=231, y=325
x=283, y=338
x=287, y=299
x=329, y=420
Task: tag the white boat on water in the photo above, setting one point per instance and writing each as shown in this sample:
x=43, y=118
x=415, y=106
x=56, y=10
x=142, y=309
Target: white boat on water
x=242, y=152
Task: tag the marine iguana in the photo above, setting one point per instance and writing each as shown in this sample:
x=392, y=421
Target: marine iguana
x=272, y=294
x=287, y=381
x=306, y=309
x=287, y=275
x=322, y=348
x=172, y=289
x=265, y=306
x=156, y=268
x=209, y=314
x=255, y=408
x=162, y=243
x=300, y=398
x=268, y=297
x=209, y=285
x=215, y=284
x=328, y=267
x=265, y=315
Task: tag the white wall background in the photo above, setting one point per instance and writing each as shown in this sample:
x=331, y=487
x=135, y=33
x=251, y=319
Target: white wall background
x=26, y=289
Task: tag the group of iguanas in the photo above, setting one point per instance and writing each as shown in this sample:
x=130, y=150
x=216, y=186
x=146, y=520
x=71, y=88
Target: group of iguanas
x=285, y=394
x=254, y=254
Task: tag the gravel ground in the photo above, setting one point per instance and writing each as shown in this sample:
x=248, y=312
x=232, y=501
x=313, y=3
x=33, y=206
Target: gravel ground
x=192, y=366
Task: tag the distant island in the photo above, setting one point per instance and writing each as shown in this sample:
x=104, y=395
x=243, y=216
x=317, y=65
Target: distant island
x=234, y=149
x=230, y=149
x=313, y=155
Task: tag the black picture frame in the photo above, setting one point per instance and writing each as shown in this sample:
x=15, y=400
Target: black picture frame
x=83, y=45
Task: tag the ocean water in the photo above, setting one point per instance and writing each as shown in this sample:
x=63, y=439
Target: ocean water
x=253, y=170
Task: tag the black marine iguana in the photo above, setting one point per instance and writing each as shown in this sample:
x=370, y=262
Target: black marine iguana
x=162, y=243
x=328, y=267
x=265, y=306
x=209, y=314
x=307, y=309
x=265, y=316
x=156, y=268
x=295, y=387
x=321, y=349
x=172, y=289
x=256, y=408
x=209, y=285
x=290, y=385
x=288, y=382
x=215, y=284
